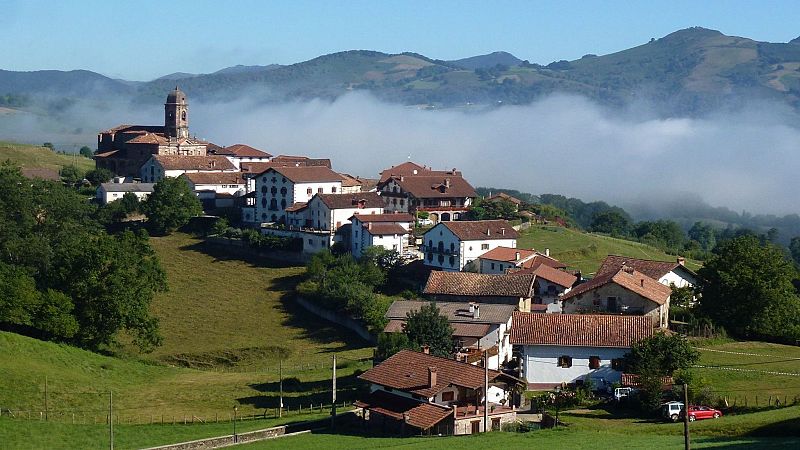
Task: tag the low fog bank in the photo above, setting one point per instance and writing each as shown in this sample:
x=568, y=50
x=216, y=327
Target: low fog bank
x=744, y=160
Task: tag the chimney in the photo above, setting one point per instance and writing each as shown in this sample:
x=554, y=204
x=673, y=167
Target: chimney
x=471, y=307
x=488, y=232
x=426, y=349
x=402, y=178
x=503, y=231
x=369, y=225
x=516, y=256
x=681, y=260
x=642, y=281
x=476, y=313
x=431, y=376
x=547, y=252
x=447, y=182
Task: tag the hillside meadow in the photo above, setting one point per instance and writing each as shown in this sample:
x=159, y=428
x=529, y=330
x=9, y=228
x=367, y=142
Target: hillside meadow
x=33, y=157
x=586, y=251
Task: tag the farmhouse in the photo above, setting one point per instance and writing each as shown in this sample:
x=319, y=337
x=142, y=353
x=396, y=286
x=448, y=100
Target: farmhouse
x=476, y=328
x=550, y=285
x=417, y=393
x=626, y=291
x=516, y=290
x=452, y=245
x=567, y=348
x=216, y=189
x=390, y=231
x=665, y=272
x=503, y=197
x=409, y=187
x=504, y=259
x=108, y=192
x=240, y=153
x=125, y=148
x=280, y=187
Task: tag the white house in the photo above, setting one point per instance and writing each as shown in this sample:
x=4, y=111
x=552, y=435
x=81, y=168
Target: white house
x=665, y=272
x=240, y=153
x=477, y=327
x=160, y=166
x=550, y=285
x=331, y=211
x=417, y=393
x=230, y=183
x=502, y=259
x=280, y=187
x=566, y=348
x=452, y=245
x=390, y=231
x=108, y=192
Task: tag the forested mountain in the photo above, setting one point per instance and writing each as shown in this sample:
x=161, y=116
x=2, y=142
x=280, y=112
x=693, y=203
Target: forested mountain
x=688, y=72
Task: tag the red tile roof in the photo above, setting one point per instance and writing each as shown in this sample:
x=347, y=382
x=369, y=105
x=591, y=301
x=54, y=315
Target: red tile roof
x=629, y=279
x=651, y=268
x=174, y=162
x=507, y=254
x=407, y=371
x=489, y=313
x=476, y=284
x=459, y=329
x=542, y=259
x=506, y=197
x=383, y=229
x=413, y=169
x=559, y=277
x=242, y=151
x=480, y=230
x=584, y=330
x=215, y=178
x=149, y=138
x=297, y=207
x=307, y=174
x=303, y=161
x=351, y=201
x=415, y=413
x=435, y=186
x=386, y=217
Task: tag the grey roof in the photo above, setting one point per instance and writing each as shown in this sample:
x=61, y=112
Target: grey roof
x=454, y=311
x=128, y=187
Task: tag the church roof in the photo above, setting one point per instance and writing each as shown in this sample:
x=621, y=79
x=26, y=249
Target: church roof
x=175, y=162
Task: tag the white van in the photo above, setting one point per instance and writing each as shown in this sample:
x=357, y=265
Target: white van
x=672, y=410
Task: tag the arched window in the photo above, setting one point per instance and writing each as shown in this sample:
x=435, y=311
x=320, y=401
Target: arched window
x=273, y=205
x=452, y=261
x=452, y=247
x=309, y=191
x=440, y=258
x=183, y=115
x=274, y=190
x=441, y=247
x=283, y=191
x=283, y=204
x=430, y=257
x=430, y=244
x=264, y=189
x=263, y=203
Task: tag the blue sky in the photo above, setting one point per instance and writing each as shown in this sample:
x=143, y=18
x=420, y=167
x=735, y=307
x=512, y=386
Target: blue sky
x=145, y=39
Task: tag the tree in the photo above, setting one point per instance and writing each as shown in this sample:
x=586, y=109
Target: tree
x=70, y=174
x=794, y=249
x=704, y=234
x=610, y=222
x=48, y=145
x=98, y=176
x=428, y=327
x=86, y=152
x=171, y=205
x=661, y=355
x=663, y=233
x=746, y=287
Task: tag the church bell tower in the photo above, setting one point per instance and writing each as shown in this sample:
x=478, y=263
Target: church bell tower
x=176, y=118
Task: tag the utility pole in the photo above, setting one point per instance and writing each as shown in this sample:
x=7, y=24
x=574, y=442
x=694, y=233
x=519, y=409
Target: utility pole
x=46, y=410
x=235, y=410
x=111, y=420
x=280, y=383
x=686, y=444
x=333, y=406
x=485, y=391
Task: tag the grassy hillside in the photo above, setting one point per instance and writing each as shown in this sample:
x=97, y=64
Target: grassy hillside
x=586, y=251
x=30, y=156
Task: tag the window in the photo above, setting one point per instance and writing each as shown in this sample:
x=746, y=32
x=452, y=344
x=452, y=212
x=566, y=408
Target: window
x=310, y=242
x=333, y=189
x=484, y=246
x=452, y=247
x=565, y=361
x=274, y=179
x=309, y=191
x=319, y=190
x=264, y=189
x=274, y=190
x=448, y=396
x=452, y=261
x=283, y=191
x=495, y=424
x=492, y=266
x=594, y=362
x=283, y=180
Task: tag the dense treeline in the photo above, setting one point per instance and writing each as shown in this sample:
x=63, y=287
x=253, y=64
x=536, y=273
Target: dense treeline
x=63, y=276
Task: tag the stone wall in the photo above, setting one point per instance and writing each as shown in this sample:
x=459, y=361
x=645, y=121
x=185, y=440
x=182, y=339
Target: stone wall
x=224, y=441
x=337, y=318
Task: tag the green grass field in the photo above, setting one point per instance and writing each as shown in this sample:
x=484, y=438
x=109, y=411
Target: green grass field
x=585, y=251
x=30, y=156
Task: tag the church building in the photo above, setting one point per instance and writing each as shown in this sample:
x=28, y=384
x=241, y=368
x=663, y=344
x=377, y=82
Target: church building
x=125, y=148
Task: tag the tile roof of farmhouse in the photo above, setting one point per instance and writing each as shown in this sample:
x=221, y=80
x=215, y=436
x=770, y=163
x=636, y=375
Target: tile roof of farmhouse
x=507, y=254
x=174, y=162
x=480, y=230
x=307, y=174
x=351, y=201
x=299, y=161
x=127, y=187
x=628, y=278
x=415, y=413
x=651, y=268
x=410, y=168
x=436, y=186
x=407, y=371
x=584, y=330
x=386, y=217
x=506, y=197
x=454, y=311
x=559, y=277
x=384, y=229
x=299, y=206
x=459, y=329
x=241, y=150
x=477, y=284
x=215, y=178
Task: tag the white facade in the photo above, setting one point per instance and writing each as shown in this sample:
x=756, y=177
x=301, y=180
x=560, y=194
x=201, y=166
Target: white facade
x=444, y=250
x=322, y=217
x=275, y=192
x=238, y=160
x=540, y=364
x=153, y=172
x=680, y=277
x=109, y=192
x=362, y=236
x=231, y=189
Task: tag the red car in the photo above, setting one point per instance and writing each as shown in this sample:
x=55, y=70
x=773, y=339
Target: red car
x=703, y=412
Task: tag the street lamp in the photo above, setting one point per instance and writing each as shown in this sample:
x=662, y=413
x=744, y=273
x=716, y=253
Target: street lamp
x=235, y=410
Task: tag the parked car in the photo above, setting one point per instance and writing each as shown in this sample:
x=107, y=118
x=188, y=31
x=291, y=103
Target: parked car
x=622, y=392
x=703, y=412
x=672, y=411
